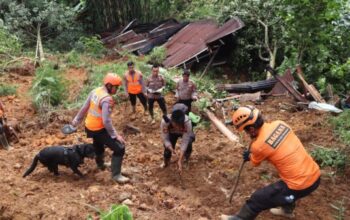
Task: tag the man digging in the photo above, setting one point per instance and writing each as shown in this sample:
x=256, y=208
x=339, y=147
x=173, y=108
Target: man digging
x=173, y=127
x=277, y=143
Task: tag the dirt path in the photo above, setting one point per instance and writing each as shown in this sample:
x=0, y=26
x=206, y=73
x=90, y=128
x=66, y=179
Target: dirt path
x=154, y=192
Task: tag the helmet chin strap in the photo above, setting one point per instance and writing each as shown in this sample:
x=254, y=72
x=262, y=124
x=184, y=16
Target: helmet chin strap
x=109, y=88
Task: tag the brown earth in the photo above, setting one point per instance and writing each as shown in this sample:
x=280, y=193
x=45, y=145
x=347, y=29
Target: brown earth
x=201, y=192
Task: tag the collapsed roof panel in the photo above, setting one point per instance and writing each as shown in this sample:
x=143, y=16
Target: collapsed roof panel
x=189, y=42
x=144, y=37
x=185, y=42
x=230, y=27
x=193, y=40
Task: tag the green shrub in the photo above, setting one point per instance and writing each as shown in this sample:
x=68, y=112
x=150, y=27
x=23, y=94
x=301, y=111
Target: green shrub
x=6, y=90
x=73, y=59
x=116, y=212
x=341, y=125
x=157, y=56
x=328, y=157
x=9, y=44
x=48, y=87
x=91, y=46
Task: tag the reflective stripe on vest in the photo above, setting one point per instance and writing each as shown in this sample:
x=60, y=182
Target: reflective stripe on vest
x=134, y=86
x=94, y=120
x=278, y=144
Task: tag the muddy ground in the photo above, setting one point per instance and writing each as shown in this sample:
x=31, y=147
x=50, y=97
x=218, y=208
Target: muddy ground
x=201, y=192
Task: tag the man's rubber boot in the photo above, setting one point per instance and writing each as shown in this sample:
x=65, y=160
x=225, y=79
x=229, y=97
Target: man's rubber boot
x=4, y=142
x=279, y=211
x=229, y=217
x=244, y=214
x=100, y=162
x=134, y=109
x=165, y=163
x=116, y=170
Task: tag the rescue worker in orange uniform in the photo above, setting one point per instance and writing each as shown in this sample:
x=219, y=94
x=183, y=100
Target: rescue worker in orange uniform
x=98, y=125
x=277, y=143
x=134, y=86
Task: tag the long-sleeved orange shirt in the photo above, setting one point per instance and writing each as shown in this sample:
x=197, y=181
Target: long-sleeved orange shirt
x=277, y=143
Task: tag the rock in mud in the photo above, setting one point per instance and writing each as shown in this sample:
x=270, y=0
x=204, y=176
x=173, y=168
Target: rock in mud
x=127, y=202
x=144, y=207
x=18, y=166
x=124, y=196
x=169, y=203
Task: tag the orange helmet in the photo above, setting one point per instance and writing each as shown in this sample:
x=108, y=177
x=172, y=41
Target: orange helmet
x=113, y=79
x=244, y=116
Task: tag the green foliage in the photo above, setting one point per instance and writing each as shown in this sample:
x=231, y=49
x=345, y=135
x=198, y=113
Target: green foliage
x=200, y=9
x=6, y=90
x=48, y=87
x=55, y=20
x=9, y=44
x=116, y=212
x=91, y=46
x=317, y=34
x=328, y=157
x=339, y=76
x=203, y=103
x=157, y=56
x=73, y=59
x=341, y=124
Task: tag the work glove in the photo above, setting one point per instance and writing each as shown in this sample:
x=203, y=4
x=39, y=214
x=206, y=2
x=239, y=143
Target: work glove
x=246, y=155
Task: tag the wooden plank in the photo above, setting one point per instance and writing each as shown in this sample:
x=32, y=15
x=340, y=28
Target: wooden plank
x=210, y=62
x=316, y=94
x=242, y=97
x=310, y=88
x=222, y=128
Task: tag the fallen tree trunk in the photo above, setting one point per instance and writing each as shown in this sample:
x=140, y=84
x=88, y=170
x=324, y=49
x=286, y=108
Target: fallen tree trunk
x=222, y=128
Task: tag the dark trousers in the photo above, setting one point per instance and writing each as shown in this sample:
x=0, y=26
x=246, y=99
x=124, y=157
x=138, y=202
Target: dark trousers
x=278, y=194
x=141, y=97
x=101, y=139
x=161, y=103
x=173, y=139
x=187, y=102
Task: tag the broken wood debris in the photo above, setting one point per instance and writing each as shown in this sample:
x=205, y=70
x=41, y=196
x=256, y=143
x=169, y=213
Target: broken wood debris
x=295, y=93
x=222, y=128
x=243, y=97
x=309, y=87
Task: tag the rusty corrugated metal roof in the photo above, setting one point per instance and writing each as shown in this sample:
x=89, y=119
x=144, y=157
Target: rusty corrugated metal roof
x=279, y=89
x=188, y=42
x=229, y=27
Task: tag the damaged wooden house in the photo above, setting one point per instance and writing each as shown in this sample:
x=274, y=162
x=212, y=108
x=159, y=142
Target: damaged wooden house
x=186, y=43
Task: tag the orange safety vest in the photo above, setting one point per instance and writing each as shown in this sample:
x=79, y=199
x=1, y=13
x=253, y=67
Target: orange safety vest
x=134, y=86
x=93, y=119
x=277, y=143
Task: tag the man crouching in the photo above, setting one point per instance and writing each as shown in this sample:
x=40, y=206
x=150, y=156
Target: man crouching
x=178, y=125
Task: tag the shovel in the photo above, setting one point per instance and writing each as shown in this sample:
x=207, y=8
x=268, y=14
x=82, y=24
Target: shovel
x=68, y=129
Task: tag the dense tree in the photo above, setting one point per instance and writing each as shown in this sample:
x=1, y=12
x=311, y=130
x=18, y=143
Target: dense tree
x=34, y=19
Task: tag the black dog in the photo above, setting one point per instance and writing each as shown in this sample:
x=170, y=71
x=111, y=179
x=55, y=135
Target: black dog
x=71, y=157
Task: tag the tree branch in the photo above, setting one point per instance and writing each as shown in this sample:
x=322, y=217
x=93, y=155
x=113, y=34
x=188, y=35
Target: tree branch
x=266, y=36
x=261, y=56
